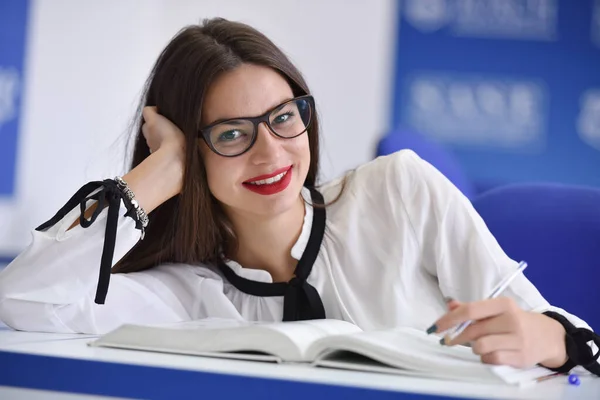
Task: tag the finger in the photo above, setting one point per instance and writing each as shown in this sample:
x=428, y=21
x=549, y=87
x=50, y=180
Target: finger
x=145, y=131
x=149, y=113
x=474, y=311
x=506, y=357
x=495, y=343
x=490, y=326
x=453, y=304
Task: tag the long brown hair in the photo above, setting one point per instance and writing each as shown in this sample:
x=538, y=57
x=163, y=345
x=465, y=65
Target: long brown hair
x=191, y=228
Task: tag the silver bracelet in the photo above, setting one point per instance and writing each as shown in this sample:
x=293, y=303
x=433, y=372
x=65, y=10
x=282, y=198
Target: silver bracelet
x=139, y=211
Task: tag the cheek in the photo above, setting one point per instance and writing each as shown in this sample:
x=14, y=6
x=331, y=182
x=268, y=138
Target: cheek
x=221, y=174
x=305, y=151
x=212, y=172
x=299, y=153
x=301, y=150
x=212, y=167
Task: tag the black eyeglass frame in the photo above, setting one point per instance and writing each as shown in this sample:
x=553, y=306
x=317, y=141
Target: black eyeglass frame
x=256, y=121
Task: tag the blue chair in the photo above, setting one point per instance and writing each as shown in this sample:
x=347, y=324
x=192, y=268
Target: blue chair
x=556, y=229
x=431, y=152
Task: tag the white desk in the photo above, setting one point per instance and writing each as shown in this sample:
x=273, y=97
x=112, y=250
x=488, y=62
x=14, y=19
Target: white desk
x=64, y=363
x=14, y=393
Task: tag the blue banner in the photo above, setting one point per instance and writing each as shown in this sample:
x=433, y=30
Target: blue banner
x=13, y=26
x=512, y=87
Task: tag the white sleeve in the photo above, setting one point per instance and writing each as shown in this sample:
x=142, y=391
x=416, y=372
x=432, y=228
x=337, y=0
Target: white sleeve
x=457, y=246
x=51, y=285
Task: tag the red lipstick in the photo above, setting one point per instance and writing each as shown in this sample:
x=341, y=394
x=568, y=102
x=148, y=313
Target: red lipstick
x=270, y=188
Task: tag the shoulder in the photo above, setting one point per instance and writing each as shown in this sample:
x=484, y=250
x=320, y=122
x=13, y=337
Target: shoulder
x=400, y=188
x=400, y=175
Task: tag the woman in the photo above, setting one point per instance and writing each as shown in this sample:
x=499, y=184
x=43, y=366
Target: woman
x=225, y=164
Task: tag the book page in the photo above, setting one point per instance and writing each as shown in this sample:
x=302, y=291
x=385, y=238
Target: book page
x=304, y=333
x=285, y=340
x=402, y=345
x=413, y=350
x=214, y=337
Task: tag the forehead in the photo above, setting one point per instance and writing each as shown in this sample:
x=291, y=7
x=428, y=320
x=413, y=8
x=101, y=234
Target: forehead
x=247, y=91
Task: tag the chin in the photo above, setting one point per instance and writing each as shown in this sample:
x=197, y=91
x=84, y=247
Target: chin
x=275, y=204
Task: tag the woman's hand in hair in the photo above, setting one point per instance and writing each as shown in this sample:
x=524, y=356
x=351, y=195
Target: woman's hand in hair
x=160, y=176
x=159, y=133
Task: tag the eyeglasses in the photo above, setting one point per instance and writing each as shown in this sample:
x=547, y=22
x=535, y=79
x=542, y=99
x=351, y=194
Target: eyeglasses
x=234, y=137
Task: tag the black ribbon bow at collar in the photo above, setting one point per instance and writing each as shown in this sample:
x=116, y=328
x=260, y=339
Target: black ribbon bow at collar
x=301, y=301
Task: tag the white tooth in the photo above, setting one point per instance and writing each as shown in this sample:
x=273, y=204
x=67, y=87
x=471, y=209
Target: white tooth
x=269, y=181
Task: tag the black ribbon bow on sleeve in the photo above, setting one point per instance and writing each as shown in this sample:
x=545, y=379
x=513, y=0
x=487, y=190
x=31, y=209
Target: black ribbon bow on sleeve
x=578, y=350
x=105, y=193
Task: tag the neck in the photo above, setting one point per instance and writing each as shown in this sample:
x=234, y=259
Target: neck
x=266, y=243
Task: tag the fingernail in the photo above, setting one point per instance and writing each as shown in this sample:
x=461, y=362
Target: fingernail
x=432, y=329
x=442, y=341
x=448, y=299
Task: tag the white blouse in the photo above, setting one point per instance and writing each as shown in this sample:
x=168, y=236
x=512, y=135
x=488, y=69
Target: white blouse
x=399, y=240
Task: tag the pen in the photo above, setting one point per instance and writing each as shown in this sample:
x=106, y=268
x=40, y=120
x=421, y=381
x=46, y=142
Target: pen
x=496, y=291
x=545, y=378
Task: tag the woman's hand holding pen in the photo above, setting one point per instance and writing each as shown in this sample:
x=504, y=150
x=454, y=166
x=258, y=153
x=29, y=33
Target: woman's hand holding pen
x=502, y=333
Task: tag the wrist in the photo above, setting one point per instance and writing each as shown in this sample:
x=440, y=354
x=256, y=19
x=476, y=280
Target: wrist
x=171, y=163
x=156, y=179
x=557, y=348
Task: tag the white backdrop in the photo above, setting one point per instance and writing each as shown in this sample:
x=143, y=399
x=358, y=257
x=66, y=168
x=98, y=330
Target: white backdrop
x=86, y=63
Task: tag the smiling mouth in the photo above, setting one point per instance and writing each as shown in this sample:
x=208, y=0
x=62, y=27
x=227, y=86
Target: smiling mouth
x=271, y=184
x=269, y=179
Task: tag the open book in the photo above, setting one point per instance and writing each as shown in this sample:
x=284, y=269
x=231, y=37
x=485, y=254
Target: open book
x=322, y=343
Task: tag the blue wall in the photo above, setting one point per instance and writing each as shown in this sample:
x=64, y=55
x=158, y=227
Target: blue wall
x=13, y=24
x=512, y=87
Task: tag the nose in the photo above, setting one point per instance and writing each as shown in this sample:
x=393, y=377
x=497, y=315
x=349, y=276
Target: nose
x=267, y=148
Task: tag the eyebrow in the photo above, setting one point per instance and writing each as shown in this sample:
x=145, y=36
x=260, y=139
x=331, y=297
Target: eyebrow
x=218, y=121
